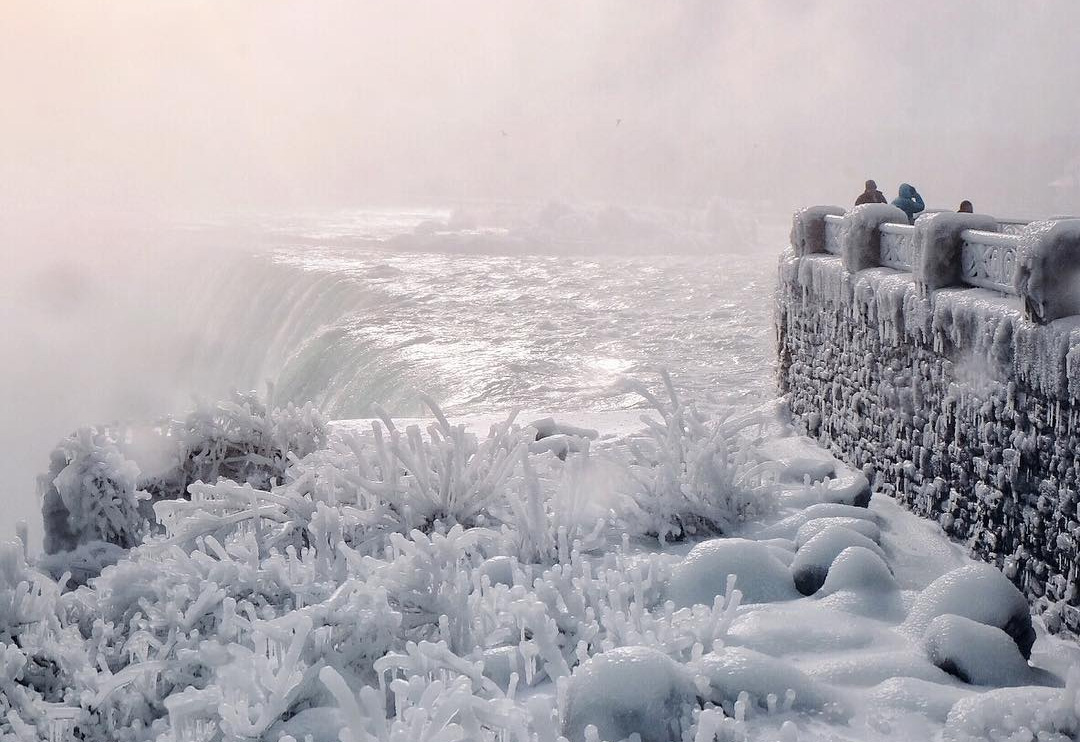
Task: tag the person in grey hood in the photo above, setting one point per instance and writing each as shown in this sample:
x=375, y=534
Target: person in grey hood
x=909, y=201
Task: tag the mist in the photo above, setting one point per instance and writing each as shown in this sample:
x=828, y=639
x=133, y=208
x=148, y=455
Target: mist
x=197, y=105
x=120, y=119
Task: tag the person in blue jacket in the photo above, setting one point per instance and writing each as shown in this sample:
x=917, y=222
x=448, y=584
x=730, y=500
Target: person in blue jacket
x=909, y=201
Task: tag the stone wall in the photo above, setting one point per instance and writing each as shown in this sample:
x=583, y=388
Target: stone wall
x=963, y=403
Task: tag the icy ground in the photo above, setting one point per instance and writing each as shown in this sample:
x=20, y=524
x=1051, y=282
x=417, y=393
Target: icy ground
x=560, y=578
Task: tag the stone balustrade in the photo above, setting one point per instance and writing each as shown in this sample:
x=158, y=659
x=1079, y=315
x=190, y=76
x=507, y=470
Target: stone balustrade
x=945, y=249
x=943, y=359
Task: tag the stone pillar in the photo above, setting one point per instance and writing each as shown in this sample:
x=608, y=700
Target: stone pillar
x=938, y=246
x=1047, y=274
x=861, y=242
x=808, y=229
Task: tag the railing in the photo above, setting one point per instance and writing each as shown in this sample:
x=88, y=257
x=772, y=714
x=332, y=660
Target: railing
x=1037, y=262
x=898, y=246
x=833, y=224
x=988, y=259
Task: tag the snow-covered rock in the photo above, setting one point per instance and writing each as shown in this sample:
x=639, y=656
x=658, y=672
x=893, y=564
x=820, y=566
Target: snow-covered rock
x=974, y=652
x=703, y=574
x=629, y=690
x=980, y=593
x=811, y=565
x=858, y=569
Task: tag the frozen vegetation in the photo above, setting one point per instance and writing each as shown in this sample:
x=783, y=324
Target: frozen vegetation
x=254, y=574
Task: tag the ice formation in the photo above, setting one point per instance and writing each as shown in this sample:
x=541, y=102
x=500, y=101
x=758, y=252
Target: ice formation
x=402, y=584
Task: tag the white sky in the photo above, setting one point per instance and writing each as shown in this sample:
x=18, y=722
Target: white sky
x=167, y=104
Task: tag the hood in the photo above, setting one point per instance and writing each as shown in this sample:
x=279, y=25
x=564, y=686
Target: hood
x=906, y=191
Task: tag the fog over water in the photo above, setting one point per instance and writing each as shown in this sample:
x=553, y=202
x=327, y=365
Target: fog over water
x=147, y=148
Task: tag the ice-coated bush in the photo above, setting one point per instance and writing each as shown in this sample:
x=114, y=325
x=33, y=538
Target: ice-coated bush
x=96, y=492
x=695, y=474
x=240, y=439
x=91, y=493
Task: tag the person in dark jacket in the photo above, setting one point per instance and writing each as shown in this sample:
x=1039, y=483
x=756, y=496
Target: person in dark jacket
x=909, y=201
x=871, y=195
x=966, y=207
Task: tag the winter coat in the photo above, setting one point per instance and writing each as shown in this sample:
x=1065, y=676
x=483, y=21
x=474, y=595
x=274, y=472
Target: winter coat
x=871, y=197
x=909, y=201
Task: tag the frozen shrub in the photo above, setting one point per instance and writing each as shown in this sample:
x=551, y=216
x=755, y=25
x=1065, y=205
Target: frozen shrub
x=698, y=475
x=238, y=439
x=91, y=493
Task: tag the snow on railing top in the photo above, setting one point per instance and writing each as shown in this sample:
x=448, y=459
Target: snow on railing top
x=1039, y=262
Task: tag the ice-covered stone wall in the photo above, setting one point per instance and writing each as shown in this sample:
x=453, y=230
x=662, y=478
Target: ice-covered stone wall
x=944, y=359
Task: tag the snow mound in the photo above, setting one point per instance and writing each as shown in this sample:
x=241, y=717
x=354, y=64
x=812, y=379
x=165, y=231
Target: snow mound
x=812, y=528
x=789, y=527
x=974, y=652
x=630, y=690
x=978, y=592
x=858, y=569
x=734, y=670
x=703, y=574
x=811, y=565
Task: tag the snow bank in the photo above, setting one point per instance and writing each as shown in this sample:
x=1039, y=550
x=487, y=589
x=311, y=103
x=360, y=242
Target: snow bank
x=631, y=690
x=789, y=526
x=703, y=574
x=980, y=593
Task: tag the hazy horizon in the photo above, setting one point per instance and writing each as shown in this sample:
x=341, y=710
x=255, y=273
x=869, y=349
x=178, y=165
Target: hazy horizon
x=199, y=105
